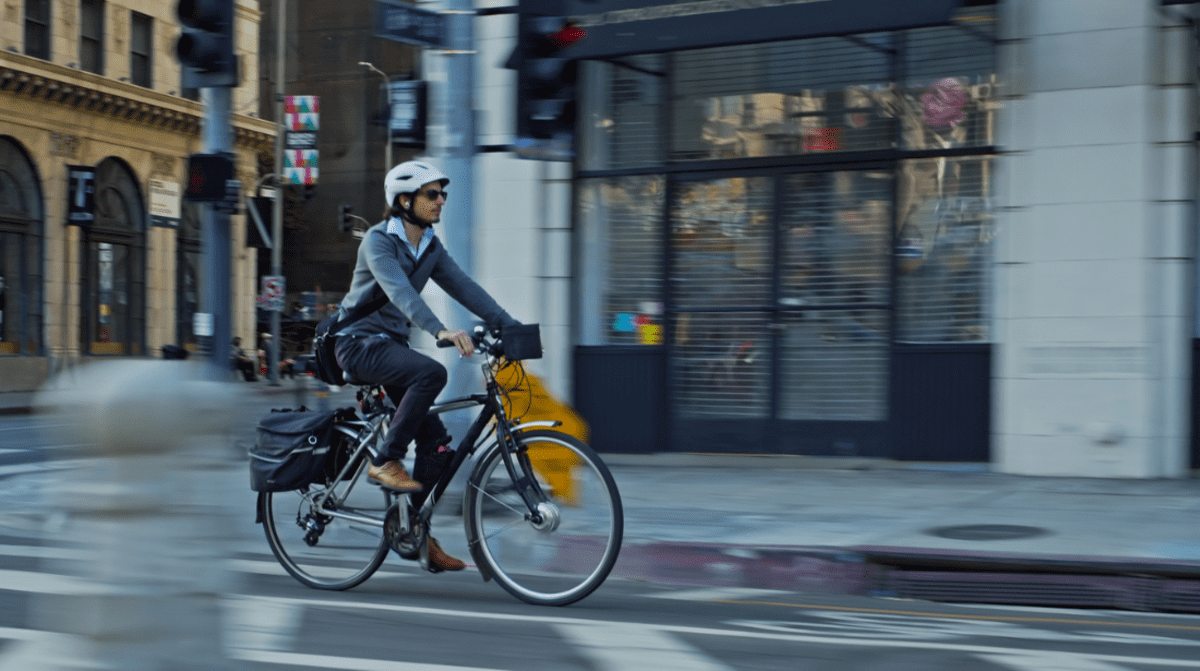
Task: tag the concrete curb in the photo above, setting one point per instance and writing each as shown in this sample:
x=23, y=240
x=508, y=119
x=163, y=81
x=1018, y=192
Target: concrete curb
x=1030, y=580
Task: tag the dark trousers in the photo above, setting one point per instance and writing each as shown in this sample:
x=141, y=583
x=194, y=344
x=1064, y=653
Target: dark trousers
x=412, y=380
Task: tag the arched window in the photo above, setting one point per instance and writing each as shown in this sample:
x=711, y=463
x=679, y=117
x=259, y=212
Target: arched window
x=188, y=268
x=21, y=253
x=114, y=253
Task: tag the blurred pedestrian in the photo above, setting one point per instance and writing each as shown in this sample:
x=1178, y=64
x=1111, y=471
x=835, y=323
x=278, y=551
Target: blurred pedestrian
x=240, y=361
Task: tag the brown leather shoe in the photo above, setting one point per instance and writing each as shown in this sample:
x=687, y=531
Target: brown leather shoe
x=443, y=561
x=392, y=474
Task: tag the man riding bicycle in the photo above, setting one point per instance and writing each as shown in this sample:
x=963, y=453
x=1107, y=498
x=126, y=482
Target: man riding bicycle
x=374, y=350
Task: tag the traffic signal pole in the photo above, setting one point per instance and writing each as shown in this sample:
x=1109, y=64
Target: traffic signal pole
x=457, y=151
x=277, y=206
x=215, y=237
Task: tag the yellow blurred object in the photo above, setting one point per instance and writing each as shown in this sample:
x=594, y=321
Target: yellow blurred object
x=528, y=400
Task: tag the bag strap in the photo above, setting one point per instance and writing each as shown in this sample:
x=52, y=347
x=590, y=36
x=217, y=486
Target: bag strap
x=370, y=308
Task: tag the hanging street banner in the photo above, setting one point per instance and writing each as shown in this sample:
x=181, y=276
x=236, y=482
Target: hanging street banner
x=301, y=121
x=405, y=23
x=273, y=291
x=164, y=203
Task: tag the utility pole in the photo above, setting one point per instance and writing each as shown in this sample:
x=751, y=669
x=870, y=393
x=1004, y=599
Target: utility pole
x=215, y=237
x=457, y=148
x=207, y=55
x=277, y=206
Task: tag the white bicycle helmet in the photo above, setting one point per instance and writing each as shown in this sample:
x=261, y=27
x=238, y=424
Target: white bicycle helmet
x=410, y=176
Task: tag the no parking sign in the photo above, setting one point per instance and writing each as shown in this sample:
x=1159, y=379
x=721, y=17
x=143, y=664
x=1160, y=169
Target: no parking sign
x=273, y=289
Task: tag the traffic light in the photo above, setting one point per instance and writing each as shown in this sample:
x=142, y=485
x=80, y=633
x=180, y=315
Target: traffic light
x=208, y=175
x=206, y=47
x=546, y=75
x=344, y=215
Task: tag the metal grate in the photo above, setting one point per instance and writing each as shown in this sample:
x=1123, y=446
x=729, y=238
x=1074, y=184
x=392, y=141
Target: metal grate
x=793, y=97
x=721, y=368
x=622, y=218
x=834, y=288
x=621, y=128
x=944, y=250
x=721, y=238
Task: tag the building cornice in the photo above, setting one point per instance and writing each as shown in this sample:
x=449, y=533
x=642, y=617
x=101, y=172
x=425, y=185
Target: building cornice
x=24, y=76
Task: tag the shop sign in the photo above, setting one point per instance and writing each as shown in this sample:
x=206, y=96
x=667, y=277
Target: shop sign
x=164, y=204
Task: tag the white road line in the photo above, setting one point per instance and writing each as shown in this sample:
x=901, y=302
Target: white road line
x=52, y=583
x=41, y=552
x=721, y=594
x=733, y=633
x=632, y=646
x=41, y=467
x=1050, y=661
x=343, y=663
x=261, y=567
x=258, y=625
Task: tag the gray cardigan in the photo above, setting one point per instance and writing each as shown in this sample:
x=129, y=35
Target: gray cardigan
x=384, y=263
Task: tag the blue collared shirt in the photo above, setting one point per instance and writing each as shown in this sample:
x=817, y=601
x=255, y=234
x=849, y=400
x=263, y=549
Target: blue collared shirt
x=396, y=228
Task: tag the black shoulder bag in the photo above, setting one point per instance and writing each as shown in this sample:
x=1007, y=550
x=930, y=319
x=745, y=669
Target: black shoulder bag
x=324, y=339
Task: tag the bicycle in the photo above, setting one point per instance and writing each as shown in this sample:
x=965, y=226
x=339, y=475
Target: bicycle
x=544, y=547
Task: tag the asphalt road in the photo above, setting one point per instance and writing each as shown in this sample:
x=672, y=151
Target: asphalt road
x=403, y=619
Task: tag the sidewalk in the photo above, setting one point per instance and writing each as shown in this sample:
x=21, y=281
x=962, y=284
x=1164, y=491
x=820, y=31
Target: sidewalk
x=936, y=531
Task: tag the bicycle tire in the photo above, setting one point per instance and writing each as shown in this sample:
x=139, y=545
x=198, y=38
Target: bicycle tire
x=571, y=554
x=345, y=553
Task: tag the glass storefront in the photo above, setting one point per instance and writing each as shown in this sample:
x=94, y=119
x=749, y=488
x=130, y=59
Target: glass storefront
x=781, y=217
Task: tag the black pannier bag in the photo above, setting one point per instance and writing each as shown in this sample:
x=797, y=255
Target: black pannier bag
x=291, y=449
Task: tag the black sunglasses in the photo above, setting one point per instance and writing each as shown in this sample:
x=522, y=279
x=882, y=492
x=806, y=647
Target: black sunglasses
x=432, y=194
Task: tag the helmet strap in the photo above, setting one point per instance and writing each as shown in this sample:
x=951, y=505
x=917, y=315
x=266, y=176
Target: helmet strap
x=407, y=214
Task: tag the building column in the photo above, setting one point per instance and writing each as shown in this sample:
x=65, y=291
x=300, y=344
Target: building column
x=1095, y=262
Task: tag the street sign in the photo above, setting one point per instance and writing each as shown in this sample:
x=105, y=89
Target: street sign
x=405, y=23
x=408, y=111
x=81, y=197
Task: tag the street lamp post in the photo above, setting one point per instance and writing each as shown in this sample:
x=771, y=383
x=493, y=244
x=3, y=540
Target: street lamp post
x=387, y=155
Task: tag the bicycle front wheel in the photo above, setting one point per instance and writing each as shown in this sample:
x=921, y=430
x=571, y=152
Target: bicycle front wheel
x=566, y=550
x=332, y=545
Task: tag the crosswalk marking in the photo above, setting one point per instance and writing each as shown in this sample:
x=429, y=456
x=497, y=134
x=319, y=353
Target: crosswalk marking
x=52, y=583
x=260, y=625
x=272, y=567
x=720, y=594
x=632, y=646
x=1050, y=661
x=43, y=552
x=344, y=663
x=40, y=467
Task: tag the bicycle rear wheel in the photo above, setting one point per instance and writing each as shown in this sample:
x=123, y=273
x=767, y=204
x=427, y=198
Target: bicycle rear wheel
x=319, y=545
x=569, y=552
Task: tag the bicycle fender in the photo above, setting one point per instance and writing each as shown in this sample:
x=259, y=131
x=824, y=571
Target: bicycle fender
x=540, y=424
x=473, y=546
x=258, y=508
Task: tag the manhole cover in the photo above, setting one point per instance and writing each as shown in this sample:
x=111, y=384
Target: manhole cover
x=988, y=532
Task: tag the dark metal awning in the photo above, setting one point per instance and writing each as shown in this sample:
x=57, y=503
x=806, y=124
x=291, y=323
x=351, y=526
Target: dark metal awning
x=627, y=27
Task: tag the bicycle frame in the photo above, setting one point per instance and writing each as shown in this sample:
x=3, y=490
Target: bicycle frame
x=367, y=430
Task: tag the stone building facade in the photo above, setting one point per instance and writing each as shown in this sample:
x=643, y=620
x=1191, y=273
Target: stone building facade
x=95, y=84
